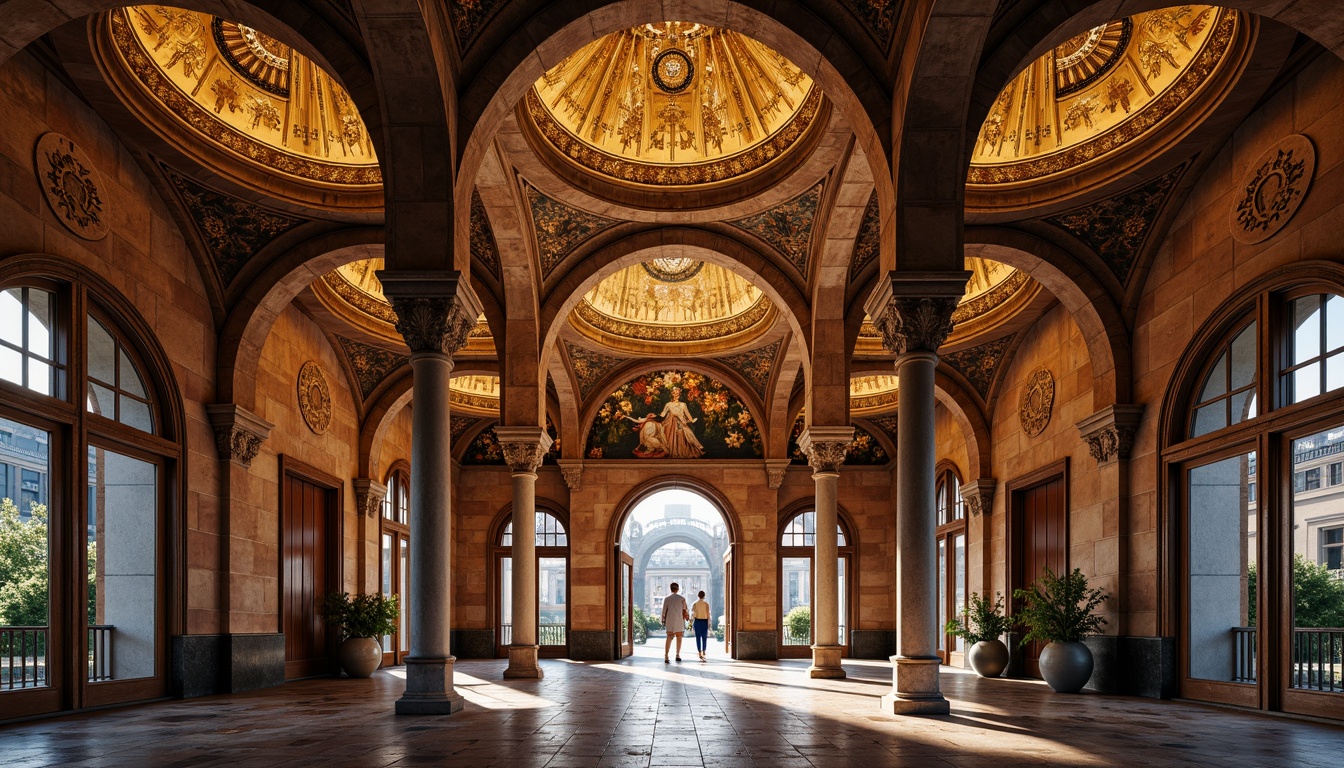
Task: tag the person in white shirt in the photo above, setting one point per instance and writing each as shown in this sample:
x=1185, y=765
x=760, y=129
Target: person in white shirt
x=700, y=617
x=675, y=617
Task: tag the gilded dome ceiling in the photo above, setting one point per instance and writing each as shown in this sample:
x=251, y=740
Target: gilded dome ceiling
x=1097, y=92
x=872, y=393
x=204, y=82
x=669, y=304
x=354, y=293
x=673, y=103
x=474, y=393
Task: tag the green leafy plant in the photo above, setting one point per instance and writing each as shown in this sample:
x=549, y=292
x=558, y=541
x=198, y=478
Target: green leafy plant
x=980, y=620
x=1059, y=609
x=798, y=623
x=361, y=615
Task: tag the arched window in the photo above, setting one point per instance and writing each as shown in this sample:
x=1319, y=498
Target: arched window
x=394, y=534
x=552, y=552
x=950, y=541
x=1255, y=447
x=100, y=520
x=797, y=577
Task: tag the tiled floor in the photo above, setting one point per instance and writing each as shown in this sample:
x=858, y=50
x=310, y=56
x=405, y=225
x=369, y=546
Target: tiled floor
x=639, y=712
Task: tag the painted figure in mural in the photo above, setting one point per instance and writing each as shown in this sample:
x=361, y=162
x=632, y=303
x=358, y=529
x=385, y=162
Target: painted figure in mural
x=681, y=442
x=651, y=445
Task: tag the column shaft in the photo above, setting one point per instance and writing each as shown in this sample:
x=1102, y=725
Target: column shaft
x=524, y=558
x=826, y=600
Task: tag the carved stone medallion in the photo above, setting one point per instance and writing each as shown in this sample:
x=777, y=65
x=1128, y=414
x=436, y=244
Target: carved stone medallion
x=314, y=398
x=71, y=185
x=1038, y=397
x=1273, y=189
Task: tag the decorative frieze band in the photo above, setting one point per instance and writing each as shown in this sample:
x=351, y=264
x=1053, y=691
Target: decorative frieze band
x=523, y=447
x=978, y=496
x=239, y=433
x=369, y=495
x=1109, y=433
x=435, y=310
x=825, y=447
x=913, y=311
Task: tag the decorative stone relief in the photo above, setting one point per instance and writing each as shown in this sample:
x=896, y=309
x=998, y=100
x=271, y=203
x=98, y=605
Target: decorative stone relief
x=371, y=364
x=915, y=324
x=70, y=184
x=1109, y=433
x=369, y=495
x=469, y=17
x=1273, y=189
x=559, y=228
x=979, y=363
x=524, y=448
x=868, y=243
x=978, y=495
x=775, y=472
x=238, y=432
x=572, y=471
x=314, y=398
x=788, y=226
x=436, y=311
x=755, y=366
x=825, y=447
x=1038, y=398
x=1118, y=227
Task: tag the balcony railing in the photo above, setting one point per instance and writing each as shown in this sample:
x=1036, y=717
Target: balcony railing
x=547, y=634
x=1243, y=665
x=23, y=658
x=1317, y=662
x=806, y=639
x=100, y=652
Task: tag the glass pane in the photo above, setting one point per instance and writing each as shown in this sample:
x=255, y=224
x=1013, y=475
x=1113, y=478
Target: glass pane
x=627, y=634
x=122, y=566
x=130, y=378
x=1221, y=580
x=39, y=322
x=1242, y=406
x=102, y=401
x=943, y=616
x=506, y=538
x=1243, y=358
x=1216, y=383
x=39, y=376
x=23, y=520
x=959, y=579
x=1306, y=382
x=134, y=413
x=551, y=600
x=505, y=600
x=387, y=580
x=1334, y=323
x=403, y=582
x=796, y=601
x=1209, y=418
x=839, y=536
x=844, y=600
x=1334, y=372
x=1306, y=329
x=11, y=316
x=11, y=365
x=102, y=356
x=1317, y=646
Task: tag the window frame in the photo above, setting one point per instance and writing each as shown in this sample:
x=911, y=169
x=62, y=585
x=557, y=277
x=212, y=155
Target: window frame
x=847, y=552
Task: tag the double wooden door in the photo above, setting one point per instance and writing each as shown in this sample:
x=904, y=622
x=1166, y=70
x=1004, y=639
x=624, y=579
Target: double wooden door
x=309, y=569
x=1038, y=536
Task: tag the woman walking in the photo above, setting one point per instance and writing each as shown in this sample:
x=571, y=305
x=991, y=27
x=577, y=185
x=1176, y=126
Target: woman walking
x=700, y=613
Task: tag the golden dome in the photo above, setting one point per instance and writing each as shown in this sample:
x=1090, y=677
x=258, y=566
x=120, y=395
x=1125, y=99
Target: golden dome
x=474, y=393
x=670, y=303
x=202, y=80
x=1097, y=92
x=869, y=394
x=673, y=103
x=353, y=292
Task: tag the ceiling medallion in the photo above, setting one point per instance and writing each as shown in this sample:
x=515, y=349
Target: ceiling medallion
x=673, y=270
x=1038, y=397
x=70, y=184
x=1274, y=187
x=673, y=71
x=314, y=398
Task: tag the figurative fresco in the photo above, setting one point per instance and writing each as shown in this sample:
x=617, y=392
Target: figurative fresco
x=485, y=450
x=865, y=450
x=673, y=415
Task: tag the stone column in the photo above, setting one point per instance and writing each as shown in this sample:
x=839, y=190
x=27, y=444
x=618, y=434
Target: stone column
x=435, y=311
x=914, y=313
x=523, y=449
x=825, y=448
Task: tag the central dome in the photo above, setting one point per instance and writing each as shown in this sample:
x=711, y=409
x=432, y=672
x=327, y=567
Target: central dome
x=674, y=103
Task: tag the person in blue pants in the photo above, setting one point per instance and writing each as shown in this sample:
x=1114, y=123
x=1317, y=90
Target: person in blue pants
x=700, y=615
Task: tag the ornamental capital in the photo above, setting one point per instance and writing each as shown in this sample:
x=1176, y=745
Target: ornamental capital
x=239, y=433
x=978, y=496
x=523, y=447
x=1109, y=433
x=435, y=310
x=913, y=311
x=825, y=447
x=775, y=471
x=572, y=470
x=369, y=495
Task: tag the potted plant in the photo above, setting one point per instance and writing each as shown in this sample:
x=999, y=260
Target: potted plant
x=362, y=621
x=980, y=625
x=1058, y=610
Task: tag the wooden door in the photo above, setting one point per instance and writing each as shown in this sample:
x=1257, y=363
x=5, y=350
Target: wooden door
x=309, y=570
x=1039, y=536
x=625, y=593
x=729, y=614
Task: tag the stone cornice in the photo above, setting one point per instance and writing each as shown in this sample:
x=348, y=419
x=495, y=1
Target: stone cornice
x=825, y=447
x=913, y=310
x=1109, y=433
x=239, y=433
x=436, y=310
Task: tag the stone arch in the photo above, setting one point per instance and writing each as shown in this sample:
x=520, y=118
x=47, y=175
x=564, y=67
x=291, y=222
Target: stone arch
x=505, y=516
x=395, y=395
x=635, y=495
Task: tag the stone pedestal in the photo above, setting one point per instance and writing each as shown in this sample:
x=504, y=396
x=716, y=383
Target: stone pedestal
x=915, y=688
x=826, y=662
x=523, y=663
x=429, y=687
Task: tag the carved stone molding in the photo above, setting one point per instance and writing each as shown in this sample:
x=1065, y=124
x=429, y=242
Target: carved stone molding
x=572, y=470
x=1038, y=398
x=978, y=496
x=70, y=183
x=1273, y=188
x=314, y=398
x=369, y=495
x=435, y=310
x=1109, y=433
x=239, y=433
x=825, y=447
x=523, y=447
x=775, y=471
x=913, y=311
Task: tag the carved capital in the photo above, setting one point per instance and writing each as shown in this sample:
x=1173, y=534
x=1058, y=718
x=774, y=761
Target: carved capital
x=775, y=470
x=239, y=433
x=825, y=447
x=913, y=311
x=369, y=495
x=523, y=447
x=435, y=310
x=1109, y=433
x=572, y=470
x=978, y=496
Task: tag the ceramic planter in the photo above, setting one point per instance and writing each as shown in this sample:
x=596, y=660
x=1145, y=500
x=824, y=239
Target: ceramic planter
x=360, y=656
x=988, y=658
x=1066, y=666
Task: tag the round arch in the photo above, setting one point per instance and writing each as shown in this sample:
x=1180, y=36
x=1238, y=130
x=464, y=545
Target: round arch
x=639, y=493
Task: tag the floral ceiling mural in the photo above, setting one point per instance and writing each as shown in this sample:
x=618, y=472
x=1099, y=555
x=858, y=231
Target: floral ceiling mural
x=673, y=414
x=484, y=447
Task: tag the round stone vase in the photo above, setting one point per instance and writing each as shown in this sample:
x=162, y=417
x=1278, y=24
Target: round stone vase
x=1066, y=667
x=988, y=658
x=360, y=656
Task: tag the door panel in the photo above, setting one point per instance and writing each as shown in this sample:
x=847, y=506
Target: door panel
x=1040, y=540
x=306, y=519
x=625, y=592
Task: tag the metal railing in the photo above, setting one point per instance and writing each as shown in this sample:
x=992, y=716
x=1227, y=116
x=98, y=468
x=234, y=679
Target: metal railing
x=1243, y=663
x=100, y=652
x=23, y=658
x=806, y=639
x=1317, y=661
x=547, y=634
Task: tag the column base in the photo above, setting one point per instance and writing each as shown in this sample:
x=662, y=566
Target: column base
x=826, y=662
x=523, y=663
x=429, y=688
x=915, y=687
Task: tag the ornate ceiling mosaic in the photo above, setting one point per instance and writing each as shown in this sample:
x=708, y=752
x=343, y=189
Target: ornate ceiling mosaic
x=474, y=393
x=755, y=365
x=673, y=103
x=873, y=392
x=979, y=363
x=590, y=367
x=788, y=226
x=559, y=228
x=673, y=414
x=1100, y=90
x=670, y=301
x=244, y=92
x=370, y=364
x=868, y=243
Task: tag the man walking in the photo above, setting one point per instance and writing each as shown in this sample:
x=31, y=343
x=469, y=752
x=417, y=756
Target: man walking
x=675, y=617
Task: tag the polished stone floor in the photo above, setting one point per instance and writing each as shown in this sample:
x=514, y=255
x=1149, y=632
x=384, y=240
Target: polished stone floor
x=639, y=712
